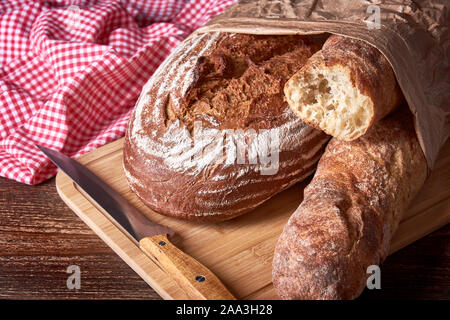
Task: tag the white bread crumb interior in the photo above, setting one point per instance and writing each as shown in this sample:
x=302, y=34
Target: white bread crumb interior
x=327, y=99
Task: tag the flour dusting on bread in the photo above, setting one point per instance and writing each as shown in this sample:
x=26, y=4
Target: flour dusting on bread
x=249, y=145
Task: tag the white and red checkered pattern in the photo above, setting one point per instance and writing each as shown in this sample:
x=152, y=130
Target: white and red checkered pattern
x=71, y=71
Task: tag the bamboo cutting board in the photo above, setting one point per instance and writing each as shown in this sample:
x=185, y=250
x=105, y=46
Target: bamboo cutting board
x=239, y=251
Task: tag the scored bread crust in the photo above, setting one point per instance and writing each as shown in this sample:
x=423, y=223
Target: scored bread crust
x=225, y=82
x=350, y=211
x=344, y=88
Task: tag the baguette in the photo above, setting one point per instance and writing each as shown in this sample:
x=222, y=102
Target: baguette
x=350, y=211
x=344, y=88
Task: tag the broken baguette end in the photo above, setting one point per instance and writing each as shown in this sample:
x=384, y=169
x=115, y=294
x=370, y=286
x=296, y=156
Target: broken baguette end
x=326, y=98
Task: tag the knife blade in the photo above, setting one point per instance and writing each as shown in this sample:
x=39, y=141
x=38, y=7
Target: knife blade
x=193, y=277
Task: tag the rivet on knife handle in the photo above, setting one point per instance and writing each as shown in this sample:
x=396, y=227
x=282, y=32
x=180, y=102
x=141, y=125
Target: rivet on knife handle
x=196, y=279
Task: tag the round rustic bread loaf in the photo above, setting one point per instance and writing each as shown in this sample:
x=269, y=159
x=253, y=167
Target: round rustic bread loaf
x=203, y=140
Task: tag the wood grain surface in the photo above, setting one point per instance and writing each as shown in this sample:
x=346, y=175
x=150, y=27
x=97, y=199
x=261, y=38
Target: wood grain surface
x=40, y=237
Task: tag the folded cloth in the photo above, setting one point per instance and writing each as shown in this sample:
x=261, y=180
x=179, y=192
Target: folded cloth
x=71, y=71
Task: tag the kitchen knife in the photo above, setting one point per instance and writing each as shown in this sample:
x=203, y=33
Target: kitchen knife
x=194, y=278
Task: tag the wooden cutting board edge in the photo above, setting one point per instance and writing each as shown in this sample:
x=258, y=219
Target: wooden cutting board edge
x=151, y=273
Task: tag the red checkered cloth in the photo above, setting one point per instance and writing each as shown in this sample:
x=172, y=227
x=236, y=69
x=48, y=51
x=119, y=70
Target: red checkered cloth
x=71, y=71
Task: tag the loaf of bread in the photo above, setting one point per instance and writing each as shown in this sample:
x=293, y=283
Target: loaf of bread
x=344, y=88
x=211, y=136
x=350, y=211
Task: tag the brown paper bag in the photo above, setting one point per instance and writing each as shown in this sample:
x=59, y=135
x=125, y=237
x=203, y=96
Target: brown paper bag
x=413, y=35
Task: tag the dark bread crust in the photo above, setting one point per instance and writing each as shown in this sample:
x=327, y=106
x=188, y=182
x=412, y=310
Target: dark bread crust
x=350, y=211
x=224, y=81
x=240, y=84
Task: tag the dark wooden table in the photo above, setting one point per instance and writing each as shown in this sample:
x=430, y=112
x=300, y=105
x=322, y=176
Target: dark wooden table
x=40, y=237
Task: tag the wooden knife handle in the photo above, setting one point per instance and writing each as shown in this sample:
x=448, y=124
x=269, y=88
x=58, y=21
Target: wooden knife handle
x=197, y=280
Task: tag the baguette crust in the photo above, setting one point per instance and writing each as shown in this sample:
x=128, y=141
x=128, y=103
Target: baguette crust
x=350, y=211
x=224, y=82
x=344, y=88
